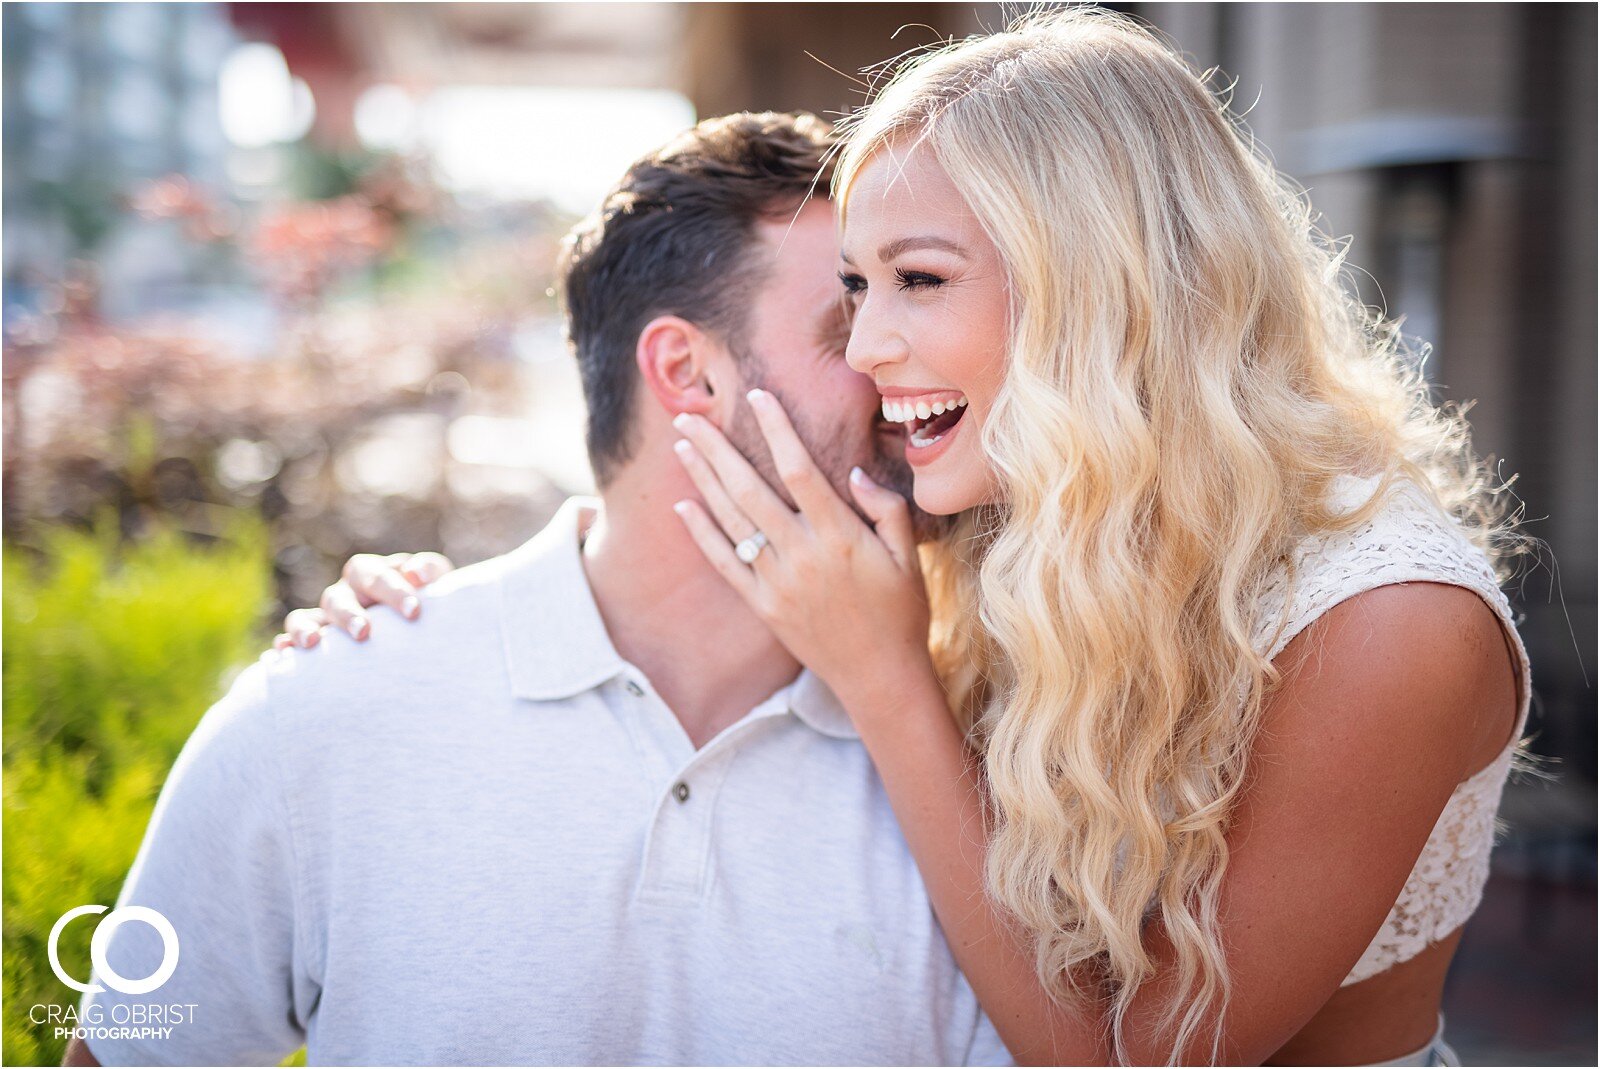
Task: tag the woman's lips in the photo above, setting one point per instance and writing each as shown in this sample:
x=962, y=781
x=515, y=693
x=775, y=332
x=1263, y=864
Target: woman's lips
x=919, y=455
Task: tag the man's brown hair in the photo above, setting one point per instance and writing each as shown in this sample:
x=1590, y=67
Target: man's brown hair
x=675, y=237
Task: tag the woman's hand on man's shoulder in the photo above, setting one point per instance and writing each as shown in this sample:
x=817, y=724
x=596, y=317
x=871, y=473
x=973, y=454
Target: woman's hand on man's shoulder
x=367, y=579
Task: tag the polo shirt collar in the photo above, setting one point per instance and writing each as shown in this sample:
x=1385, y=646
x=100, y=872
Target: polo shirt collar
x=814, y=702
x=555, y=641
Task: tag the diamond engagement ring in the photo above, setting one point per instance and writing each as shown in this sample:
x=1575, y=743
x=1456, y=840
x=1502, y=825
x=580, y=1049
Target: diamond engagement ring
x=751, y=548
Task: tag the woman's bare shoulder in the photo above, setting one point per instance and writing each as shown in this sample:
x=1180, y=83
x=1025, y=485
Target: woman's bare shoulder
x=1424, y=663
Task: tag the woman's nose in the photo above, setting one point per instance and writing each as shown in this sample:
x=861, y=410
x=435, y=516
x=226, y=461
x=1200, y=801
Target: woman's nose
x=872, y=344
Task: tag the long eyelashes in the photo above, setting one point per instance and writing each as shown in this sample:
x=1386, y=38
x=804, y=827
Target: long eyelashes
x=916, y=280
x=908, y=280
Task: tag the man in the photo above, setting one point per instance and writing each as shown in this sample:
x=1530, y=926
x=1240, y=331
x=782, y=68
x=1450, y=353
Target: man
x=587, y=809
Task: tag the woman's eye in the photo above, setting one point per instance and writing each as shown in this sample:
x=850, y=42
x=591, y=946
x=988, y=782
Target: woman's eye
x=853, y=284
x=916, y=280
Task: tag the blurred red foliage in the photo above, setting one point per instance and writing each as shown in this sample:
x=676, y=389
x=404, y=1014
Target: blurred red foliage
x=154, y=419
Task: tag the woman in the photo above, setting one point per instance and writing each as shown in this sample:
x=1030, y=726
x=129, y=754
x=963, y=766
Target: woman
x=1197, y=721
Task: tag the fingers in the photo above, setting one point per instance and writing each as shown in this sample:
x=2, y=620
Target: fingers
x=390, y=588
x=758, y=502
x=423, y=568
x=378, y=581
x=807, y=484
x=891, y=518
x=302, y=628
x=735, y=525
x=368, y=579
x=358, y=572
x=714, y=544
x=343, y=610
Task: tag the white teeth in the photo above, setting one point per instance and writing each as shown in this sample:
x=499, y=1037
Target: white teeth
x=905, y=412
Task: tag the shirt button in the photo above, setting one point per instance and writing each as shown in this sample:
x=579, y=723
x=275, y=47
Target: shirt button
x=635, y=689
x=681, y=791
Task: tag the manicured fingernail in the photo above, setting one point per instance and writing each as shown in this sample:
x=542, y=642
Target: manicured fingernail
x=681, y=508
x=410, y=606
x=681, y=421
x=756, y=396
x=357, y=627
x=682, y=447
x=859, y=476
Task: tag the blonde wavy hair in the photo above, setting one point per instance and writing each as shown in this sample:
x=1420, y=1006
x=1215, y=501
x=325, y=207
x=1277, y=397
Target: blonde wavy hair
x=1186, y=377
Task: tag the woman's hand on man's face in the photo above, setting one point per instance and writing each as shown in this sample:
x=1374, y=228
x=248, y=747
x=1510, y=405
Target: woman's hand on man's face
x=844, y=598
x=367, y=580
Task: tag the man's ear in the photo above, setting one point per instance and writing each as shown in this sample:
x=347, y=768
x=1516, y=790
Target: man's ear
x=674, y=358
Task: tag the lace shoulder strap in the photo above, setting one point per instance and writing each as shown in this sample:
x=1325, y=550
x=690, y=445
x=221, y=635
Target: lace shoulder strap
x=1409, y=539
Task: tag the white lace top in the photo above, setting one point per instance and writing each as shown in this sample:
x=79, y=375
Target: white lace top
x=1407, y=540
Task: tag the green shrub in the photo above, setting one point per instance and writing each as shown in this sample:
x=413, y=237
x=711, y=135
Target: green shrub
x=115, y=652
x=111, y=654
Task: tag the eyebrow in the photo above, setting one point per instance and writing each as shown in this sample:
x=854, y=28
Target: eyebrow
x=901, y=245
x=928, y=241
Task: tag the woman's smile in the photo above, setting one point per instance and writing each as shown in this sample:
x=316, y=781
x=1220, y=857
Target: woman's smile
x=931, y=319
x=930, y=419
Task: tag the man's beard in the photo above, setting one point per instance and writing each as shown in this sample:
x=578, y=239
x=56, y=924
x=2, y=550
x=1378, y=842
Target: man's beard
x=886, y=466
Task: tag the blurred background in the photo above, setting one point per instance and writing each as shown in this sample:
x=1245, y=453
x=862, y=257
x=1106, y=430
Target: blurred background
x=277, y=290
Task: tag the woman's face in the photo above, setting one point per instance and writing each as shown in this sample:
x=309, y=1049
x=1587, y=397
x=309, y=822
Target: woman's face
x=931, y=319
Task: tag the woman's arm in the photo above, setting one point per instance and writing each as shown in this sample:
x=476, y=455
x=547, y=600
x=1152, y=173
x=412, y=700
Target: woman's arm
x=1388, y=701
x=932, y=779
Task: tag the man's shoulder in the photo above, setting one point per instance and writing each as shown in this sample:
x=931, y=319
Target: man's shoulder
x=454, y=647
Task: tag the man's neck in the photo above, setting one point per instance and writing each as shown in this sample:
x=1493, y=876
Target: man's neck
x=671, y=615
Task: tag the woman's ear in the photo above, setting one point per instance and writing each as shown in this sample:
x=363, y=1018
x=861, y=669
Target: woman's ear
x=672, y=354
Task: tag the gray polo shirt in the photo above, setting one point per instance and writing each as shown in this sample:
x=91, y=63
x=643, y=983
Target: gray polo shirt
x=483, y=838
